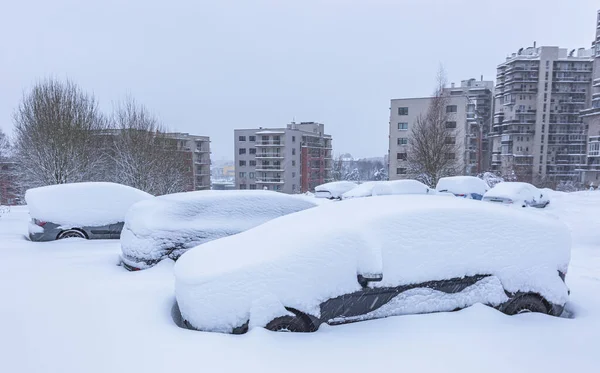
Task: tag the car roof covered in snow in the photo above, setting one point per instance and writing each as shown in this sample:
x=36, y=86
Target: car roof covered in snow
x=512, y=189
x=83, y=204
x=334, y=189
x=462, y=185
x=379, y=188
x=302, y=259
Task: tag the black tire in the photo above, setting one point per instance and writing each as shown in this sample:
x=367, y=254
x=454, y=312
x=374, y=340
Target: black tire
x=524, y=304
x=290, y=324
x=71, y=233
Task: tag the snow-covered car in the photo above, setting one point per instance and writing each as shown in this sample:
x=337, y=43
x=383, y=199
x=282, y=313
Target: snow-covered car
x=80, y=210
x=399, y=255
x=334, y=190
x=167, y=226
x=380, y=188
x=517, y=194
x=470, y=187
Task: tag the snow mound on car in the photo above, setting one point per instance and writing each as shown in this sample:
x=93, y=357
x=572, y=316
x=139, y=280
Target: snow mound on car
x=173, y=223
x=308, y=257
x=334, y=189
x=83, y=204
x=379, y=188
x=462, y=185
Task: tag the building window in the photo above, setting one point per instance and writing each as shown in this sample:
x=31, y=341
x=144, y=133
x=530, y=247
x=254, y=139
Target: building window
x=242, y=186
x=252, y=163
x=402, y=111
x=293, y=151
x=400, y=171
x=252, y=150
x=450, y=124
x=242, y=151
x=252, y=186
x=450, y=140
x=242, y=163
x=293, y=174
x=450, y=156
x=242, y=138
x=402, y=141
x=293, y=187
x=293, y=138
x=293, y=163
x=251, y=175
x=277, y=187
x=451, y=109
x=401, y=156
x=402, y=126
x=242, y=175
x=252, y=139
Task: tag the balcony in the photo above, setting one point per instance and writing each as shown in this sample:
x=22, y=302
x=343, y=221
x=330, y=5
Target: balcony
x=202, y=161
x=269, y=168
x=201, y=150
x=269, y=143
x=269, y=181
x=596, y=82
x=570, y=80
x=269, y=155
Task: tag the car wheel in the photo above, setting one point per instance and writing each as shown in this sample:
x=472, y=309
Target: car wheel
x=525, y=304
x=290, y=324
x=71, y=233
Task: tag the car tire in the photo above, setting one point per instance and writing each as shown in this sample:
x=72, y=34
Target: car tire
x=290, y=324
x=524, y=304
x=71, y=233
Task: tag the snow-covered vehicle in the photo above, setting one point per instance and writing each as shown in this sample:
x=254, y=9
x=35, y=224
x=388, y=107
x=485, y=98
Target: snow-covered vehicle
x=80, y=210
x=517, y=194
x=167, y=226
x=399, y=255
x=381, y=188
x=470, y=187
x=334, y=190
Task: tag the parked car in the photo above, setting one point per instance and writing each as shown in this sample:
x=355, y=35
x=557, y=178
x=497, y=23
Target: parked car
x=380, y=188
x=399, y=255
x=80, y=210
x=167, y=226
x=517, y=194
x=470, y=187
x=334, y=190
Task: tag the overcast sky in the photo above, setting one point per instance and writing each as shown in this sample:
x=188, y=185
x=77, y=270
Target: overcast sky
x=207, y=67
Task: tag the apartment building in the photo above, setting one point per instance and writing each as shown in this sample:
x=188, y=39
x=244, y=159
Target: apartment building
x=293, y=159
x=591, y=117
x=196, y=154
x=469, y=111
x=537, y=134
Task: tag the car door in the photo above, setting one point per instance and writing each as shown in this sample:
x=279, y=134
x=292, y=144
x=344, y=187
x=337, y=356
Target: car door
x=115, y=230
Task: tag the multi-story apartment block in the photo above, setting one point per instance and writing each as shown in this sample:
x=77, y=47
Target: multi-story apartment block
x=196, y=154
x=537, y=132
x=469, y=109
x=293, y=159
x=591, y=117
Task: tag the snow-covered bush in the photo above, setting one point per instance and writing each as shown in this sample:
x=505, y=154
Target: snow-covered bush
x=4, y=210
x=491, y=178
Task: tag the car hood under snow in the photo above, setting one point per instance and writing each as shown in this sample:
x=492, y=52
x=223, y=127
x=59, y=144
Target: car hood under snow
x=303, y=259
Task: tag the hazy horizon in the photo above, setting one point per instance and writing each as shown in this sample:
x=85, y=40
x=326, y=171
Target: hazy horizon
x=209, y=67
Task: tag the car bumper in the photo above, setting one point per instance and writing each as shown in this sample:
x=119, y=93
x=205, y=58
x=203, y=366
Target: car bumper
x=135, y=264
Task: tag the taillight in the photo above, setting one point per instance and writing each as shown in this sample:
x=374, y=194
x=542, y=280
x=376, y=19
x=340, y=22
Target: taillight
x=461, y=195
x=39, y=222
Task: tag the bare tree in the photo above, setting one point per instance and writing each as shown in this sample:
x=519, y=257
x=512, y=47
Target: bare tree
x=434, y=147
x=55, y=125
x=142, y=155
x=4, y=146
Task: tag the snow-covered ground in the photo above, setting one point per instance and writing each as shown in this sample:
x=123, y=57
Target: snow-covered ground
x=68, y=307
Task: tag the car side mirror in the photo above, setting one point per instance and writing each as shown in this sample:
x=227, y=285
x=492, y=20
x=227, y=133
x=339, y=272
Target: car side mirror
x=364, y=280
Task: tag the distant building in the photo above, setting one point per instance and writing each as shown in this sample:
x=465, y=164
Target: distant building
x=469, y=110
x=538, y=134
x=591, y=117
x=292, y=159
x=196, y=150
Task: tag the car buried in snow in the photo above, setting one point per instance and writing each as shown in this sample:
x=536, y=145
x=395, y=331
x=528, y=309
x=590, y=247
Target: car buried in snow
x=400, y=255
x=469, y=187
x=169, y=225
x=517, y=194
x=90, y=210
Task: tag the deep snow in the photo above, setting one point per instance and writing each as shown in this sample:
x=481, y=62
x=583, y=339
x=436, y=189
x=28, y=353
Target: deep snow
x=67, y=307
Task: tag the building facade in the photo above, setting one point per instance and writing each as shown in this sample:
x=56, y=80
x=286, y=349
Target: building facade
x=196, y=154
x=469, y=112
x=591, y=117
x=537, y=134
x=293, y=159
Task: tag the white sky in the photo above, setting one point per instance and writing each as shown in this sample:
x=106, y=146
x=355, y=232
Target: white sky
x=207, y=67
